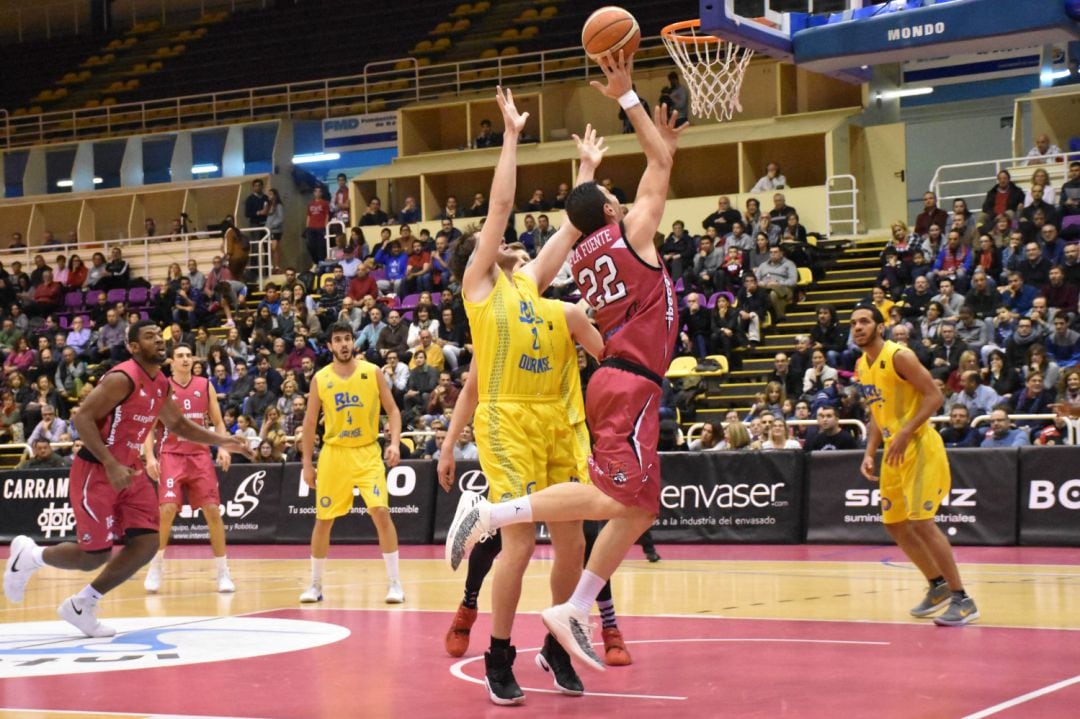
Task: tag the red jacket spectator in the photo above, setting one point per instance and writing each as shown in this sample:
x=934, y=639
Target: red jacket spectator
x=48, y=293
x=318, y=212
x=361, y=285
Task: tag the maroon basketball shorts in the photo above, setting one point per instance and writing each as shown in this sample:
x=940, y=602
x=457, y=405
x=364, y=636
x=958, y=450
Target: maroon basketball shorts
x=623, y=409
x=102, y=514
x=191, y=473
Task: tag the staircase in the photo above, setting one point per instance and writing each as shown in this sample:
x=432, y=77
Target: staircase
x=846, y=282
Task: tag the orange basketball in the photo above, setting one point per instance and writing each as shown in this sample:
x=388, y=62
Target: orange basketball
x=609, y=30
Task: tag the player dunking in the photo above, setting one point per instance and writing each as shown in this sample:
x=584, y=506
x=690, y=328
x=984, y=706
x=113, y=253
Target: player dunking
x=902, y=397
x=620, y=274
x=188, y=467
x=110, y=493
x=349, y=392
x=522, y=434
x=573, y=325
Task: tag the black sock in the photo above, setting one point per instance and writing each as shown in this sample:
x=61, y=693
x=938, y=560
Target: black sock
x=480, y=560
x=959, y=595
x=500, y=646
x=937, y=582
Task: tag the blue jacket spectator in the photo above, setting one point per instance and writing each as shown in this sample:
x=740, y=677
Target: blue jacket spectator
x=1002, y=434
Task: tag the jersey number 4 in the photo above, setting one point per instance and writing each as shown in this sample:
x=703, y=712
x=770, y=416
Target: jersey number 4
x=600, y=283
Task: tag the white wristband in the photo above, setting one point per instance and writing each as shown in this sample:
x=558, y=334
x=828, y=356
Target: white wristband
x=629, y=99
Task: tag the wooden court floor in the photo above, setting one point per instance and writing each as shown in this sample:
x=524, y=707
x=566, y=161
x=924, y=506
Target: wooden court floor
x=800, y=631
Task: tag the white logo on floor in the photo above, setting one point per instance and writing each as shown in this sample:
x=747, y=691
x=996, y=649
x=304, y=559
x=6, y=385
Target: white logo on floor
x=34, y=649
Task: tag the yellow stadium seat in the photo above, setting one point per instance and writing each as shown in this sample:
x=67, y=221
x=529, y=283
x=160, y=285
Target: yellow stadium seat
x=84, y=75
x=462, y=25
x=423, y=46
x=155, y=66
x=481, y=7
x=402, y=65
x=442, y=29
x=199, y=34
x=423, y=61
x=377, y=105
x=508, y=51
x=528, y=33
x=409, y=444
x=130, y=42
x=114, y=45
x=132, y=84
x=489, y=53
x=720, y=360
x=549, y=12
x=441, y=44
x=529, y=15
x=806, y=277
x=681, y=367
x=108, y=102
x=509, y=33
x=462, y=9
x=140, y=67
x=19, y=112
x=179, y=50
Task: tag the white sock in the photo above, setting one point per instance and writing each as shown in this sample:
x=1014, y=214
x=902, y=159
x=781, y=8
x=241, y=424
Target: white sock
x=222, y=564
x=89, y=594
x=317, y=565
x=391, y=560
x=585, y=593
x=37, y=556
x=159, y=557
x=515, y=511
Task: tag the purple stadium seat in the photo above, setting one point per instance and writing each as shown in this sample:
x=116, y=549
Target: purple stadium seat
x=410, y=301
x=138, y=296
x=1070, y=221
x=144, y=315
x=711, y=302
x=117, y=295
x=73, y=301
x=62, y=320
x=379, y=274
x=679, y=286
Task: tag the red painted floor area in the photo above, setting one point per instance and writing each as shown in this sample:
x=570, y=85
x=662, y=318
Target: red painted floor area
x=740, y=552
x=392, y=666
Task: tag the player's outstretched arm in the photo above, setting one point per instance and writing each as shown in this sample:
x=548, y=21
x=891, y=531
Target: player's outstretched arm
x=582, y=330
x=218, y=423
x=477, y=282
x=553, y=254
x=311, y=426
x=463, y=412
x=175, y=421
x=909, y=368
x=392, y=453
x=111, y=391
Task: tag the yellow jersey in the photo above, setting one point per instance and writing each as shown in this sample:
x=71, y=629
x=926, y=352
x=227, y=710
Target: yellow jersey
x=892, y=400
x=350, y=405
x=565, y=359
x=514, y=353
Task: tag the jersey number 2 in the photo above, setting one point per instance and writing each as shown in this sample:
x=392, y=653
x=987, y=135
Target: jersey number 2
x=601, y=276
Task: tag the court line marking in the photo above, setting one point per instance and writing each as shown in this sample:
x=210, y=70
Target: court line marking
x=142, y=715
x=1024, y=698
x=457, y=668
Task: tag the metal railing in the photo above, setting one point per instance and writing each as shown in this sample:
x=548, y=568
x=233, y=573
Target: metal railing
x=842, y=205
x=259, y=241
x=970, y=180
x=1071, y=425
x=383, y=85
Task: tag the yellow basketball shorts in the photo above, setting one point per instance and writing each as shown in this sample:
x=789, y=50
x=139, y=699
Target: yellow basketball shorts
x=525, y=447
x=340, y=470
x=914, y=489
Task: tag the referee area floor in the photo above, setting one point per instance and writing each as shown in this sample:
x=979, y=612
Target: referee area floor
x=733, y=631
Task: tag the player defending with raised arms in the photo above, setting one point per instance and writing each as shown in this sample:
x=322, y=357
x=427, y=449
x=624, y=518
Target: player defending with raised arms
x=110, y=493
x=902, y=397
x=349, y=393
x=188, y=466
x=522, y=432
x=620, y=274
x=575, y=326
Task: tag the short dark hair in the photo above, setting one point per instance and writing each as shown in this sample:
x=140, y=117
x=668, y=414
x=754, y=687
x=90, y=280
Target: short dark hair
x=875, y=313
x=460, y=252
x=135, y=329
x=585, y=207
x=182, y=345
x=339, y=327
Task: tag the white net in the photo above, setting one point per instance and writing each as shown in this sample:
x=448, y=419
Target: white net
x=712, y=68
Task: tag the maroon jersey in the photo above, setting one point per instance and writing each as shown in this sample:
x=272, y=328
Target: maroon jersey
x=634, y=301
x=194, y=401
x=124, y=429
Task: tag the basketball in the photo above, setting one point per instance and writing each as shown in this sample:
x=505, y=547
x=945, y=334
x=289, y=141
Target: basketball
x=609, y=30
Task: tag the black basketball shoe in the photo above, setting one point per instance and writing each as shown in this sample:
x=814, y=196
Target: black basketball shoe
x=553, y=658
x=499, y=679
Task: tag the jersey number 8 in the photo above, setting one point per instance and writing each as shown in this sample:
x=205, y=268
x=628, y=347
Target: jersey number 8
x=601, y=276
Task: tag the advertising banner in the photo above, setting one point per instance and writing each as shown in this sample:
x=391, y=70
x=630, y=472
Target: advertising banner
x=250, y=503
x=981, y=508
x=1050, y=496
x=360, y=132
x=35, y=503
x=411, y=486
x=753, y=497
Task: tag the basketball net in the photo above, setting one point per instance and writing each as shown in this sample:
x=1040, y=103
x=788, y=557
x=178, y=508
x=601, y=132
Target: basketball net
x=712, y=68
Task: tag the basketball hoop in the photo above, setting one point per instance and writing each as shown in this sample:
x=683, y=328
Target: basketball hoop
x=712, y=68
